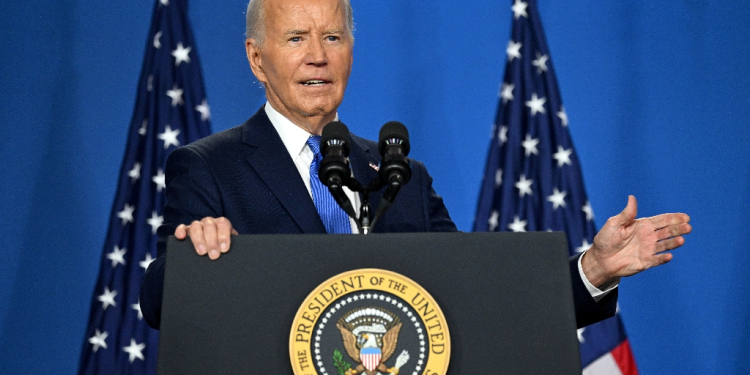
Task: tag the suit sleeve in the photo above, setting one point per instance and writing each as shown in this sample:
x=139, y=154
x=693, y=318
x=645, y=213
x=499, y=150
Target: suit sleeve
x=588, y=310
x=436, y=214
x=192, y=194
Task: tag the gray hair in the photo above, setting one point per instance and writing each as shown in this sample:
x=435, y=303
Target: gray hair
x=255, y=21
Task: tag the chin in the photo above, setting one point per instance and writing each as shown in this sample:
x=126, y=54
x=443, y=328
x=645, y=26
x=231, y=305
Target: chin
x=321, y=109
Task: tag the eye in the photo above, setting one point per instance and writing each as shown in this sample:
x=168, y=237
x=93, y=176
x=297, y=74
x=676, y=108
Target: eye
x=332, y=38
x=295, y=39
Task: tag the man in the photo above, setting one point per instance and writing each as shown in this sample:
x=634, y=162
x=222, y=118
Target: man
x=256, y=178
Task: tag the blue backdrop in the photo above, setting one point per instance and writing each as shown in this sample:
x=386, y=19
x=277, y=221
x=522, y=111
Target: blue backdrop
x=658, y=96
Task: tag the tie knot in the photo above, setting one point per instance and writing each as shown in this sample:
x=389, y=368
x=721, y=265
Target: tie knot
x=314, y=143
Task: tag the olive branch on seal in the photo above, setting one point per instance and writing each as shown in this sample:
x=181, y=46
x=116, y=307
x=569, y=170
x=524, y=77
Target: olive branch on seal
x=338, y=361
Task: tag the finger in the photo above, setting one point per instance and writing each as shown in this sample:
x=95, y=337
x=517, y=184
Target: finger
x=629, y=213
x=181, y=232
x=223, y=232
x=660, y=221
x=669, y=244
x=210, y=235
x=234, y=232
x=660, y=259
x=196, y=236
x=673, y=231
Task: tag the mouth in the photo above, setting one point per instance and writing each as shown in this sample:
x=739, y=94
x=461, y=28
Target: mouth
x=315, y=82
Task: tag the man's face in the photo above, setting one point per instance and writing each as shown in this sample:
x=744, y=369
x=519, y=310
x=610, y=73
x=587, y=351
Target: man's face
x=305, y=60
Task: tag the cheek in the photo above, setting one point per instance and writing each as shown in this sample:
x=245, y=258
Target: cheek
x=281, y=69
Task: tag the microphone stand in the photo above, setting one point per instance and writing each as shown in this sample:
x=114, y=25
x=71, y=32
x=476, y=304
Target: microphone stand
x=366, y=220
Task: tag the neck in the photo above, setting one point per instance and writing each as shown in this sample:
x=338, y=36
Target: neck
x=314, y=125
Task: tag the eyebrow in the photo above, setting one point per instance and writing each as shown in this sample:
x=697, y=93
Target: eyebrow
x=333, y=31
x=305, y=32
x=297, y=32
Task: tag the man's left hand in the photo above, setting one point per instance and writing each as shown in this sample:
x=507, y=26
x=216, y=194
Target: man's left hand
x=626, y=245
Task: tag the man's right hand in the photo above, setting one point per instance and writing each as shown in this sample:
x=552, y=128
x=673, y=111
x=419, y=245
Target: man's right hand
x=210, y=236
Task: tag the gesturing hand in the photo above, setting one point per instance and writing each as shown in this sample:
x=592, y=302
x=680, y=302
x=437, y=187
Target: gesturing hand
x=626, y=245
x=210, y=236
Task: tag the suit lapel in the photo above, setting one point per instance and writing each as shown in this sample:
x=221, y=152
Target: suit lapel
x=362, y=159
x=268, y=156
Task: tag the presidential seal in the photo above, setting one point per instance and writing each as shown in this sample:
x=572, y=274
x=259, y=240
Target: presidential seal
x=369, y=322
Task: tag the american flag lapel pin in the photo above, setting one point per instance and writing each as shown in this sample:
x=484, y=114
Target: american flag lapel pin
x=375, y=167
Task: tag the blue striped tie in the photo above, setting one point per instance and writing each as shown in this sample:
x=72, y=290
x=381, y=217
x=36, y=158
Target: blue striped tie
x=333, y=217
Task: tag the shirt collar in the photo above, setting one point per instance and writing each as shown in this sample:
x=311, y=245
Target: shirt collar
x=293, y=136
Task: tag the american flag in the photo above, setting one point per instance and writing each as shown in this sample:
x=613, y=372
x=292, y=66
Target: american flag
x=533, y=179
x=171, y=110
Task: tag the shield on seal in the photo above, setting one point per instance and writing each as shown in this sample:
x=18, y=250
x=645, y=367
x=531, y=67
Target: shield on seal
x=370, y=358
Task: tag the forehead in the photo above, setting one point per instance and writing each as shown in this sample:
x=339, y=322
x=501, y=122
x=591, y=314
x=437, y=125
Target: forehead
x=284, y=15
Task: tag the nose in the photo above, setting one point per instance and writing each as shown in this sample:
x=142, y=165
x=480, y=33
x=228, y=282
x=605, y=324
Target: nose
x=316, y=54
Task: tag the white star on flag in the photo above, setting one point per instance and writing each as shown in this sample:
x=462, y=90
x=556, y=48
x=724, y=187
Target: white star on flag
x=579, y=331
x=157, y=42
x=502, y=135
x=524, y=186
x=135, y=173
x=563, y=116
x=529, y=144
x=536, y=104
x=181, y=54
x=99, y=340
x=142, y=130
x=499, y=177
x=108, y=298
x=135, y=350
x=176, y=94
x=160, y=179
x=519, y=9
x=588, y=210
x=146, y=262
x=117, y=256
x=517, y=225
x=557, y=198
x=137, y=307
x=126, y=214
x=507, y=92
x=493, y=220
x=540, y=63
x=562, y=156
x=513, y=50
x=165, y=3
x=204, y=110
x=155, y=221
x=584, y=246
x=169, y=137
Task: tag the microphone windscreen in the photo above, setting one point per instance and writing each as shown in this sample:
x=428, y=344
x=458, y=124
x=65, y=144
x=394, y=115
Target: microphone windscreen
x=393, y=129
x=335, y=130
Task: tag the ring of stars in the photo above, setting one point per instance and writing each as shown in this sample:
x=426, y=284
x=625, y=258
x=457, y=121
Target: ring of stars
x=369, y=296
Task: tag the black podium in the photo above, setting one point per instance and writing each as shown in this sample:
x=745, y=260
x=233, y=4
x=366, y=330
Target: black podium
x=506, y=298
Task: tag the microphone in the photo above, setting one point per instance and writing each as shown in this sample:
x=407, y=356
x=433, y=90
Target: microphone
x=394, y=167
x=394, y=147
x=334, y=170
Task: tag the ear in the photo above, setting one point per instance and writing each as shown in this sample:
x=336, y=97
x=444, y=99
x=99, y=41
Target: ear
x=254, y=58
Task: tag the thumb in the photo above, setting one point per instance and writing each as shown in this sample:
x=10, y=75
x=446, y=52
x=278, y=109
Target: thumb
x=628, y=215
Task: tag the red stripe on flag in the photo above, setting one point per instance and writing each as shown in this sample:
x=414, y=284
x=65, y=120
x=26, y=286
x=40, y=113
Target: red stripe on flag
x=624, y=358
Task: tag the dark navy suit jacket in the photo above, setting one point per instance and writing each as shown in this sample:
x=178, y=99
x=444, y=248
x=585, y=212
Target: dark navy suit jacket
x=247, y=175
